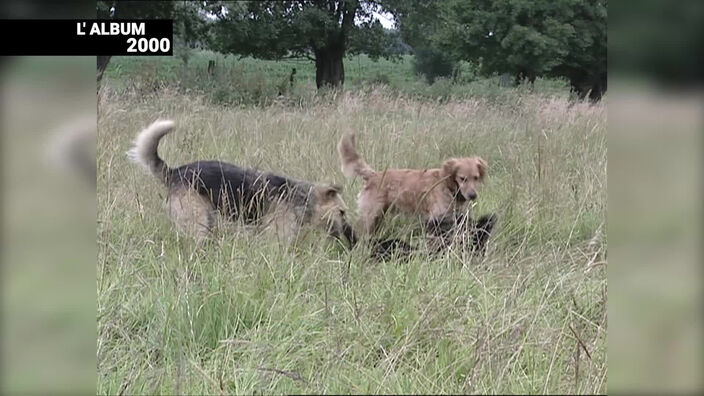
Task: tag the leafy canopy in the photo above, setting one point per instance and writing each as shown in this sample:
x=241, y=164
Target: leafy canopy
x=524, y=38
x=299, y=28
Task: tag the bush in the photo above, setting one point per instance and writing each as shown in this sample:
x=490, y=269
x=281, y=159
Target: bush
x=440, y=90
x=433, y=63
x=381, y=79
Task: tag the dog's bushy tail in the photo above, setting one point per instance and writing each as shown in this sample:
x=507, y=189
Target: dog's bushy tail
x=352, y=163
x=144, y=151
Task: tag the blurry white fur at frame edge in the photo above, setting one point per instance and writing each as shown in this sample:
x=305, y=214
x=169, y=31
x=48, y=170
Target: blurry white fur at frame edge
x=68, y=147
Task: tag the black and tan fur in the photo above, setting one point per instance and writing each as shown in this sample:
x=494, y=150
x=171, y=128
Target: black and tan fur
x=461, y=230
x=202, y=190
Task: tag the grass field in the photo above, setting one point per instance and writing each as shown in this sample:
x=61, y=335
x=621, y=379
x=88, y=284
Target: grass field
x=247, y=81
x=357, y=68
x=244, y=315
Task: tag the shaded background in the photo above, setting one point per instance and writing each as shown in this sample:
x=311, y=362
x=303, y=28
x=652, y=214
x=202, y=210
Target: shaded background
x=48, y=215
x=655, y=183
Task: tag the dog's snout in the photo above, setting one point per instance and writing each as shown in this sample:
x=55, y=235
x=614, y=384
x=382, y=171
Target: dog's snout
x=472, y=195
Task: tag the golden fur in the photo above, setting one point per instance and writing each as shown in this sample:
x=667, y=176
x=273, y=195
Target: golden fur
x=433, y=194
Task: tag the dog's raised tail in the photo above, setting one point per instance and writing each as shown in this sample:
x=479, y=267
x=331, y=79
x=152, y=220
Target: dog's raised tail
x=352, y=163
x=144, y=151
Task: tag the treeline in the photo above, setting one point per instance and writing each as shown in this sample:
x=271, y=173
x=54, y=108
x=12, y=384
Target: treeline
x=523, y=39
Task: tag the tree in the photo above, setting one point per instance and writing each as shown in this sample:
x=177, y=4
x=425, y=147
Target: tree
x=417, y=22
x=584, y=65
x=323, y=31
x=433, y=64
x=524, y=38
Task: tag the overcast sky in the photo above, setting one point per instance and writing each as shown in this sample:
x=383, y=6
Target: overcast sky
x=386, y=19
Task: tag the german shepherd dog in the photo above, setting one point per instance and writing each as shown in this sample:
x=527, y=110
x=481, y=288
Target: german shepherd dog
x=199, y=190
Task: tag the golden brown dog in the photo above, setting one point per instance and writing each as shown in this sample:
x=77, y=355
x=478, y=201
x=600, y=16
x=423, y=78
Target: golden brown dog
x=434, y=194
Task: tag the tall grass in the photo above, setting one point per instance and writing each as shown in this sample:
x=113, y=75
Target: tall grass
x=246, y=315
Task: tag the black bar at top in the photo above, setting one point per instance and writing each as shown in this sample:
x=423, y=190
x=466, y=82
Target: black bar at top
x=59, y=37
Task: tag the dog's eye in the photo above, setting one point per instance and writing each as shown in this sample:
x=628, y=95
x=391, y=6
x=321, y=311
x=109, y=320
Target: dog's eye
x=476, y=177
x=463, y=179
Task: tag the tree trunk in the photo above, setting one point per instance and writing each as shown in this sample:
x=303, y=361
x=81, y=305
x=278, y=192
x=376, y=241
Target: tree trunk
x=598, y=89
x=524, y=76
x=329, y=69
x=593, y=88
x=595, y=93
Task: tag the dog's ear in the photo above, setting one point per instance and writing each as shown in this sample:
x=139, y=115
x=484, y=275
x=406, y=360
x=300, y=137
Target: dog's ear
x=483, y=166
x=449, y=168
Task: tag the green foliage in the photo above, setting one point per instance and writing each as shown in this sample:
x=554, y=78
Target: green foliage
x=375, y=41
x=278, y=29
x=585, y=62
x=524, y=38
x=320, y=31
x=507, y=36
x=191, y=29
x=416, y=20
x=433, y=63
x=259, y=29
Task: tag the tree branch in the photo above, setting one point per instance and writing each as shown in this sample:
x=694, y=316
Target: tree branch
x=348, y=16
x=338, y=11
x=299, y=56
